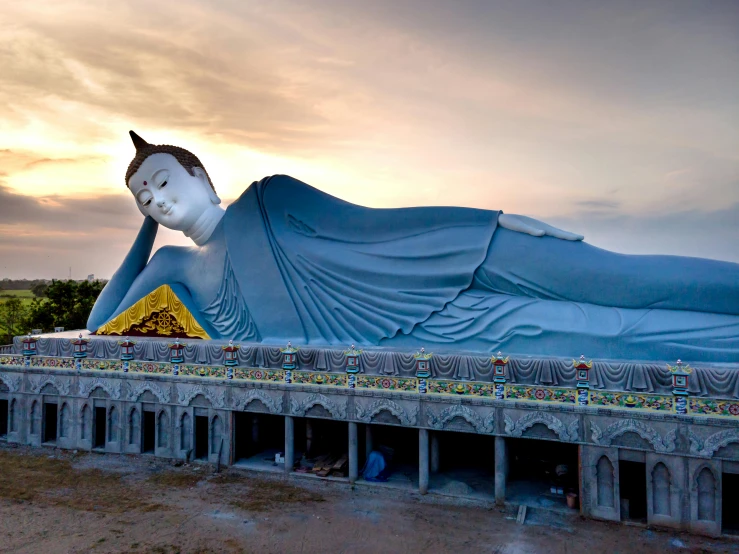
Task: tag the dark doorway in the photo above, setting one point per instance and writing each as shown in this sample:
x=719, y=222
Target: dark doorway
x=100, y=428
x=462, y=464
x=3, y=418
x=729, y=513
x=399, y=449
x=50, y=421
x=542, y=473
x=632, y=478
x=201, y=437
x=148, y=430
x=258, y=438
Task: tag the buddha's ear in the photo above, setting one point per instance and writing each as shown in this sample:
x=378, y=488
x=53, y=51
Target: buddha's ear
x=200, y=174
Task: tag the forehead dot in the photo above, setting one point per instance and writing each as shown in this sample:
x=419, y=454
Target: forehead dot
x=144, y=183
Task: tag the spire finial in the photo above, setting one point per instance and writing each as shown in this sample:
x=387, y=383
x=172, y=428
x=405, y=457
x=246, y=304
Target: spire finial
x=138, y=142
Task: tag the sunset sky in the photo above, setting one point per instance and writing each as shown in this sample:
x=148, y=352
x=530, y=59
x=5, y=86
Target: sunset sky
x=618, y=120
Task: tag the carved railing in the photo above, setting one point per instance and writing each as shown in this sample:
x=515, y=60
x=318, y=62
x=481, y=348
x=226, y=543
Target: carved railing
x=6, y=348
x=429, y=387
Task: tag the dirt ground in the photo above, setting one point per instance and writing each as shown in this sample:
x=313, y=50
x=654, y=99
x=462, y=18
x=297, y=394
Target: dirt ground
x=59, y=501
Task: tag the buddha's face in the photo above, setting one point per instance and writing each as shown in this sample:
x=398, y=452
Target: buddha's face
x=164, y=190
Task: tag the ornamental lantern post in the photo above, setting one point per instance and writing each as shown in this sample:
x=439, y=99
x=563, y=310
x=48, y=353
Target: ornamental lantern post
x=126, y=353
x=176, y=355
x=79, y=351
x=29, y=346
x=230, y=354
x=352, y=365
x=289, y=361
x=499, y=374
x=680, y=380
x=582, y=369
x=423, y=369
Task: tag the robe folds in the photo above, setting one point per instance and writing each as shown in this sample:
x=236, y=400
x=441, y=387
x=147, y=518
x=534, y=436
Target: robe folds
x=315, y=269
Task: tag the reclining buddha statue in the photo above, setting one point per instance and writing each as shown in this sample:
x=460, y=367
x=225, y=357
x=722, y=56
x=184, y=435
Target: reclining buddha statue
x=287, y=262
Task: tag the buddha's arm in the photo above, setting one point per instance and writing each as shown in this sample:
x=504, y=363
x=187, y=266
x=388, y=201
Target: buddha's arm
x=123, y=279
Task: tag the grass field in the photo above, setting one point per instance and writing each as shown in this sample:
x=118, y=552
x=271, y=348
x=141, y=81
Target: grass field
x=17, y=293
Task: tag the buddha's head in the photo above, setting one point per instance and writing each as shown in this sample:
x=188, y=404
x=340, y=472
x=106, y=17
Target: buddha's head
x=169, y=184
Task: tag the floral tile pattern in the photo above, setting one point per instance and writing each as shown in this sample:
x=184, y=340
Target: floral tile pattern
x=540, y=394
x=462, y=388
x=655, y=402
x=400, y=384
x=273, y=375
x=708, y=407
x=311, y=378
x=189, y=370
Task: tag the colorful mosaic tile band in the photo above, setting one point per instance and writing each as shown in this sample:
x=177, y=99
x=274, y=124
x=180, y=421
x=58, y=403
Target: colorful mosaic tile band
x=540, y=394
x=400, y=384
x=618, y=400
x=461, y=388
x=708, y=407
x=651, y=402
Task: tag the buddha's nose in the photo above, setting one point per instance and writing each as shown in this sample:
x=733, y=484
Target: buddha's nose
x=160, y=203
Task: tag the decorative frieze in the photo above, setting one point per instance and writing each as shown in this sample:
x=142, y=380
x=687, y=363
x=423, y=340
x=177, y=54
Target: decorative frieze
x=566, y=433
x=440, y=420
x=240, y=401
x=186, y=393
x=645, y=431
x=335, y=407
x=385, y=404
x=111, y=386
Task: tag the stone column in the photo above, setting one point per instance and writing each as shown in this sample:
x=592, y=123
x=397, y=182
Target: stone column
x=353, y=452
x=423, y=461
x=369, y=446
x=289, y=443
x=434, y=452
x=501, y=470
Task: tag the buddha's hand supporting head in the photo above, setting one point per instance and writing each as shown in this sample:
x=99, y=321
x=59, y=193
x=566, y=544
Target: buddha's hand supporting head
x=170, y=185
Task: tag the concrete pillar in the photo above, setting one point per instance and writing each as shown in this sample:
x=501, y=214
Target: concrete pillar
x=423, y=461
x=353, y=452
x=289, y=443
x=434, y=452
x=369, y=446
x=501, y=470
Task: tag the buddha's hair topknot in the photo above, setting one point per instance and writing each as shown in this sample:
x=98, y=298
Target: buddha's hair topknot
x=187, y=159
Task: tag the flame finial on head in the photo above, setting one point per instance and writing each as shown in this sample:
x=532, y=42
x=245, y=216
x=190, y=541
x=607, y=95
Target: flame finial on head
x=138, y=142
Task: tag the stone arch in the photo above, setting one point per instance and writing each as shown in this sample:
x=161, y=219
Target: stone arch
x=336, y=410
x=64, y=421
x=185, y=431
x=140, y=389
x=85, y=422
x=134, y=426
x=385, y=409
x=705, y=482
x=565, y=433
x=540, y=431
x=715, y=442
x=200, y=400
x=162, y=429
x=13, y=416
x=457, y=411
x=112, y=424
x=32, y=424
x=646, y=432
x=216, y=433
x=661, y=498
x=264, y=402
x=605, y=481
x=49, y=389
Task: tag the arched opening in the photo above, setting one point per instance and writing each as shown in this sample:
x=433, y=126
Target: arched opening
x=185, y=431
x=604, y=471
x=112, y=424
x=706, y=495
x=258, y=437
x=85, y=423
x=661, y=489
x=162, y=430
x=133, y=426
x=64, y=423
x=462, y=463
x=216, y=433
x=33, y=424
x=729, y=494
x=632, y=486
x=51, y=419
x=13, y=416
x=3, y=417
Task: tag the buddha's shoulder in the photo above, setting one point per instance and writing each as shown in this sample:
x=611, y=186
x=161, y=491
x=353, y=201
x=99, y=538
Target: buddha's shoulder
x=276, y=187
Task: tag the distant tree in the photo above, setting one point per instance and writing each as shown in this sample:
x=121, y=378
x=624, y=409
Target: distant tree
x=67, y=304
x=13, y=317
x=39, y=289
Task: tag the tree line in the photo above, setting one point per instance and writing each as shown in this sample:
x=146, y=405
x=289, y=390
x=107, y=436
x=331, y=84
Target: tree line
x=64, y=304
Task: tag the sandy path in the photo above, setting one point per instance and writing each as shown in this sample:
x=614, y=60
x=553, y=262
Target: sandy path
x=54, y=501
